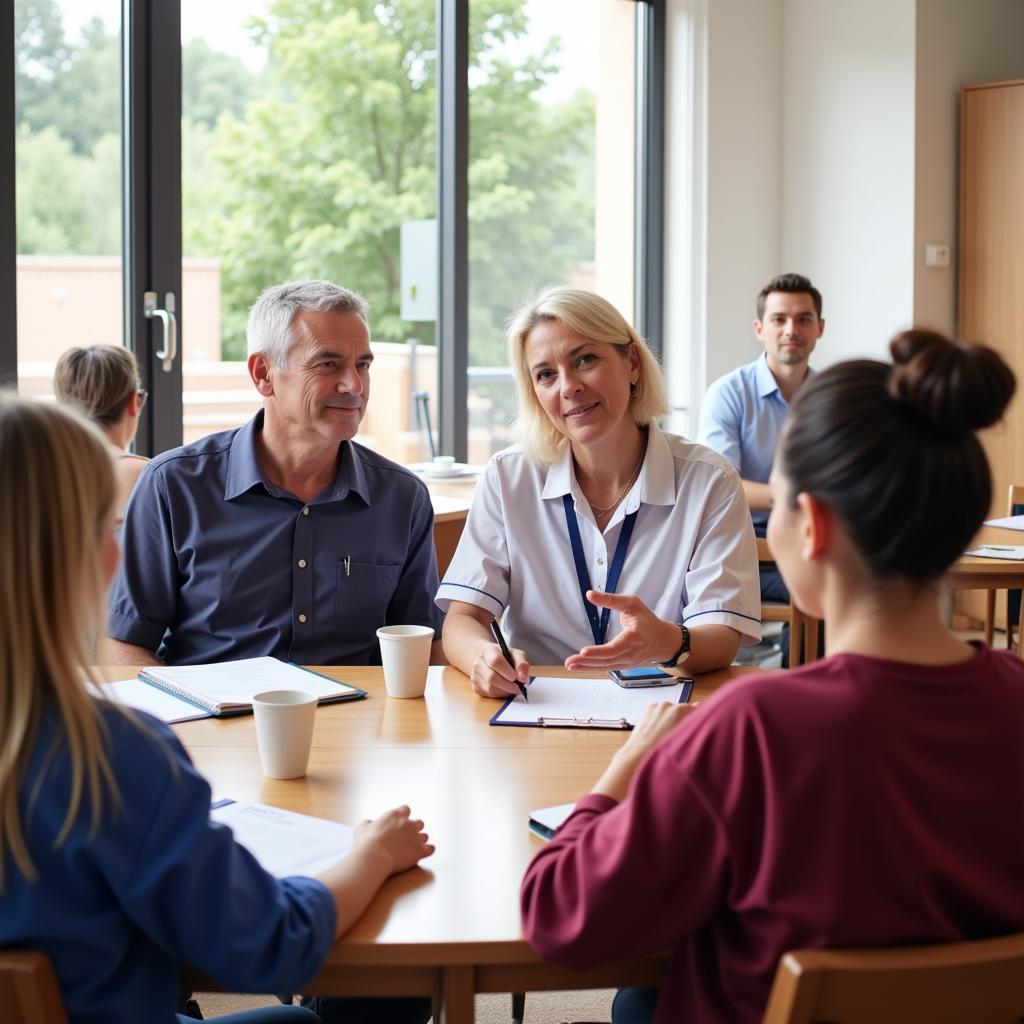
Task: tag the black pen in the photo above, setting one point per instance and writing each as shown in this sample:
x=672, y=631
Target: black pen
x=500, y=641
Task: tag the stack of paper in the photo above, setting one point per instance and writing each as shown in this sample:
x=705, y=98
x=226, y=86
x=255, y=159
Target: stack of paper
x=283, y=842
x=1011, y=553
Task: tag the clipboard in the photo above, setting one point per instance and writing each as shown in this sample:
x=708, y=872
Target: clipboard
x=581, y=703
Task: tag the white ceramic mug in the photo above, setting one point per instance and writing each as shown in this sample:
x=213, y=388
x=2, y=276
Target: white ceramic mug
x=284, y=731
x=405, y=652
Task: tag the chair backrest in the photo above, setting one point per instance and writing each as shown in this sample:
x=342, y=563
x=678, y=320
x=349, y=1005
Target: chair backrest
x=28, y=989
x=981, y=982
x=1014, y=499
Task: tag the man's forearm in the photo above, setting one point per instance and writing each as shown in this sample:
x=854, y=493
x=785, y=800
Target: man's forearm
x=759, y=496
x=116, y=652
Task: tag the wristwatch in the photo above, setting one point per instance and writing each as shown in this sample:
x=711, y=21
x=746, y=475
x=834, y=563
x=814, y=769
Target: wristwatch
x=684, y=648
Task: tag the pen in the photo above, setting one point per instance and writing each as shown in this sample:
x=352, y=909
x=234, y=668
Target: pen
x=500, y=641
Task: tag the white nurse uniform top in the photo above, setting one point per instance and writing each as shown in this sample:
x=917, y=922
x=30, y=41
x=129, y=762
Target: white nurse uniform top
x=692, y=557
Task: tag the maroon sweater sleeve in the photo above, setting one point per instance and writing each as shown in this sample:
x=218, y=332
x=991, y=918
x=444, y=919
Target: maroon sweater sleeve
x=631, y=878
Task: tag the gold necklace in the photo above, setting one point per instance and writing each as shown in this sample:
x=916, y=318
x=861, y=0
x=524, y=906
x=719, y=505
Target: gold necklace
x=602, y=510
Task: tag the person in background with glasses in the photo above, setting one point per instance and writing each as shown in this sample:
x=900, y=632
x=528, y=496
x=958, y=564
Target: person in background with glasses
x=103, y=382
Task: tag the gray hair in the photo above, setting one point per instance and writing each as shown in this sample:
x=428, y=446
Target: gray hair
x=269, y=330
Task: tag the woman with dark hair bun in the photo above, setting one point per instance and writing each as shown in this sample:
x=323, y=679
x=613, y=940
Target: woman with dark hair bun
x=873, y=798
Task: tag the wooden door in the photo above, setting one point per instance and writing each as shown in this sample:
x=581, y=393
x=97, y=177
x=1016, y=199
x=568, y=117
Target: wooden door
x=991, y=295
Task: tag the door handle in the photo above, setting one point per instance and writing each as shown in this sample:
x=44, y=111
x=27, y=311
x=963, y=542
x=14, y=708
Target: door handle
x=170, y=324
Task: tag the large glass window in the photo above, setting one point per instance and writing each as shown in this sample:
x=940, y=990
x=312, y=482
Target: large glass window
x=308, y=144
x=551, y=193
x=67, y=182
x=308, y=147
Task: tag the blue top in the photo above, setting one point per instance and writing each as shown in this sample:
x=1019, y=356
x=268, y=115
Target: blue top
x=221, y=565
x=741, y=417
x=157, y=885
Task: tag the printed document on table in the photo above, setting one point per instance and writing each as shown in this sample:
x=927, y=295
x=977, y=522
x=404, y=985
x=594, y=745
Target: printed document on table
x=1011, y=554
x=1007, y=522
x=284, y=842
x=583, y=703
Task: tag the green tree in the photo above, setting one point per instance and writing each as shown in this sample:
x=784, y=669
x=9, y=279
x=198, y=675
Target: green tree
x=41, y=54
x=340, y=150
x=213, y=83
x=72, y=87
x=67, y=204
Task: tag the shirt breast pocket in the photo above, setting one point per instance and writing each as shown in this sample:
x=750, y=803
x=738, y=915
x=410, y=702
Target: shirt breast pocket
x=364, y=591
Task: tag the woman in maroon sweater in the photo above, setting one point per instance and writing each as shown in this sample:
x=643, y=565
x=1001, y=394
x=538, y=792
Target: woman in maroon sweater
x=875, y=797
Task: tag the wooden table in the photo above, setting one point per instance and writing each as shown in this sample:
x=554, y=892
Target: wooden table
x=450, y=928
x=972, y=573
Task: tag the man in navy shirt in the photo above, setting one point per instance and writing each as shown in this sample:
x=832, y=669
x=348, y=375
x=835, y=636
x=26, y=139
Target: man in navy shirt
x=742, y=414
x=282, y=537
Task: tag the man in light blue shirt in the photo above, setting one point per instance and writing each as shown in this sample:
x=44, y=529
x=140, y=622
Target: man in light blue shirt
x=742, y=413
x=282, y=537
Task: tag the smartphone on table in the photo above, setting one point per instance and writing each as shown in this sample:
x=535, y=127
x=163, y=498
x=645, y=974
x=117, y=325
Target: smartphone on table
x=650, y=676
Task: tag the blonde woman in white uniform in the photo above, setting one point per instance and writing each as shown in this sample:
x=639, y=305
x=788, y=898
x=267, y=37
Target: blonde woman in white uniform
x=609, y=543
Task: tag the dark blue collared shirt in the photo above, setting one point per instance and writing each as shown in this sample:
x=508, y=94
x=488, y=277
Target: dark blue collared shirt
x=218, y=564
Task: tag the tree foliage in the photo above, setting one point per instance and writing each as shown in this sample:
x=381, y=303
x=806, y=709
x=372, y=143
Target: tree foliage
x=340, y=151
x=310, y=168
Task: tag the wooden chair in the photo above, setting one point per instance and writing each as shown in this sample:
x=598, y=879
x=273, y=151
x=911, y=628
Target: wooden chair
x=1015, y=499
x=28, y=989
x=803, y=631
x=981, y=982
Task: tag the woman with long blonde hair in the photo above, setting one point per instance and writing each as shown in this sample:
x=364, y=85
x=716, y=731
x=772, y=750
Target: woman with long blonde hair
x=108, y=860
x=608, y=542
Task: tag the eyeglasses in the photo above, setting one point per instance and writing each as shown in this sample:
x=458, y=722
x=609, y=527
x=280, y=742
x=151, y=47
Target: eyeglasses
x=142, y=394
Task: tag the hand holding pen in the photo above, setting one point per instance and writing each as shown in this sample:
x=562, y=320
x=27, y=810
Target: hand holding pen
x=499, y=639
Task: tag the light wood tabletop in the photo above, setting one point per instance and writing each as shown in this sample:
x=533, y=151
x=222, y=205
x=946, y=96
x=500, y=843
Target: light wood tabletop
x=970, y=572
x=449, y=928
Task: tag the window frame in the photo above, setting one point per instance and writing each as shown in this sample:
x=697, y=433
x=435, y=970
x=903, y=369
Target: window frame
x=151, y=202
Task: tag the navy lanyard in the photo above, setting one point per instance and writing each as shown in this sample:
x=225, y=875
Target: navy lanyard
x=598, y=625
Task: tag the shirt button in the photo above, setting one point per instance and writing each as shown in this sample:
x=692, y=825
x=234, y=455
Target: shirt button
x=305, y=511
x=302, y=563
x=302, y=618
x=600, y=561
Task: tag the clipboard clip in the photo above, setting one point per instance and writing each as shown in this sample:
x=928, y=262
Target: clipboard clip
x=584, y=723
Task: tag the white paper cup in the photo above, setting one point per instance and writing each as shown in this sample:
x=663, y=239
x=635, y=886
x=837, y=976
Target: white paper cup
x=405, y=652
x=284, y=731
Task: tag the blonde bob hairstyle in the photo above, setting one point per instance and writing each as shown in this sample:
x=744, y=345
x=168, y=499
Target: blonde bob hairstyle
x=56, y=497
x=597, y=319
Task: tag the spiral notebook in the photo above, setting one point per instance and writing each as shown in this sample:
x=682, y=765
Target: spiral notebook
x=226, y=688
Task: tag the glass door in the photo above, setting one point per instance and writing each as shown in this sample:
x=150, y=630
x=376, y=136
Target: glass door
x=67, y=148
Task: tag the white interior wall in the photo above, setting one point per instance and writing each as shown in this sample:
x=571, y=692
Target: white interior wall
x=817, y=136
x=723, y=186
x=958, y=44
x=848, y=166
